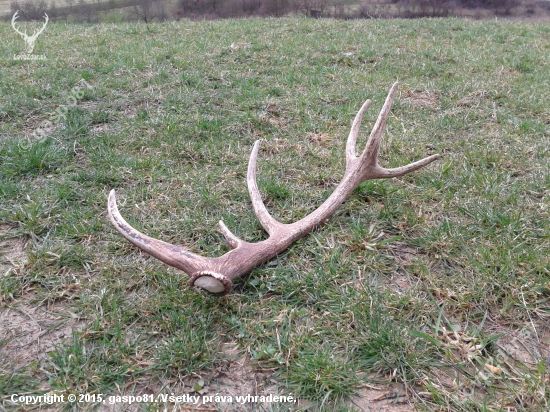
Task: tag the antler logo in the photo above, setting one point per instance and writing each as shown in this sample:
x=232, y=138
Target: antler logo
x=30, y=40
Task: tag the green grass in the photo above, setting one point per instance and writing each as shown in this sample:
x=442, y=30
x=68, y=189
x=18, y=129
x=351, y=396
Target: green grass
x=417, y=283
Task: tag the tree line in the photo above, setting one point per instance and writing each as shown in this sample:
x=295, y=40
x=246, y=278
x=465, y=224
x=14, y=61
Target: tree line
x=161, y=10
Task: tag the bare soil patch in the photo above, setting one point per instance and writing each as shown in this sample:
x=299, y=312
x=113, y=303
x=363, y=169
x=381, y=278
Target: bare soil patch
x=419, y=99
x=30, y=332
x=382, y=398
x=12, y=250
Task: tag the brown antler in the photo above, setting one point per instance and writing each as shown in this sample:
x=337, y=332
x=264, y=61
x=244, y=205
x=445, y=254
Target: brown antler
x=215, y=274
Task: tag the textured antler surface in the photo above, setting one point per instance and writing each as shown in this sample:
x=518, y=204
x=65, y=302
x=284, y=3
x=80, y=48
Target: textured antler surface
x=216, y=274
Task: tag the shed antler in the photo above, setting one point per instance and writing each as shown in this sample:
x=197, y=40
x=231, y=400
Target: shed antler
x=215, y=274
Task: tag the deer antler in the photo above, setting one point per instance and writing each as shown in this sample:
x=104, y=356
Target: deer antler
x=215, y=274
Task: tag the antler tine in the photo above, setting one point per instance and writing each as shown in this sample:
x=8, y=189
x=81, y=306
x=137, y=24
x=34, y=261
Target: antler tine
x=266, y=220
x=351, y=144
x=373, y=144
x=233, y=240
x=411, y=167
x=369, y=157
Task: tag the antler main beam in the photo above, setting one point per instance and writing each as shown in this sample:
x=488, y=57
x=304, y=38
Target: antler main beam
x=215, y=275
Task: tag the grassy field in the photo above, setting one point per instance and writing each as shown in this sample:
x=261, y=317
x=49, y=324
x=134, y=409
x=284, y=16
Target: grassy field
x=427, y=292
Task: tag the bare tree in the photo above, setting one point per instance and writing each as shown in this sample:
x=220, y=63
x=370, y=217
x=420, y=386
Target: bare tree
x=86, y=12
x=52, y=10
x=160, y=10
x=275, y=8
x=143, y=10
x=237, y=8
x=29, y=10
x=311, y=8
x=202, y=6
x=504, y=6
x=251, y=6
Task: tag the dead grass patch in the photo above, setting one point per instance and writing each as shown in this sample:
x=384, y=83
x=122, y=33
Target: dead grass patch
x=419, y=99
